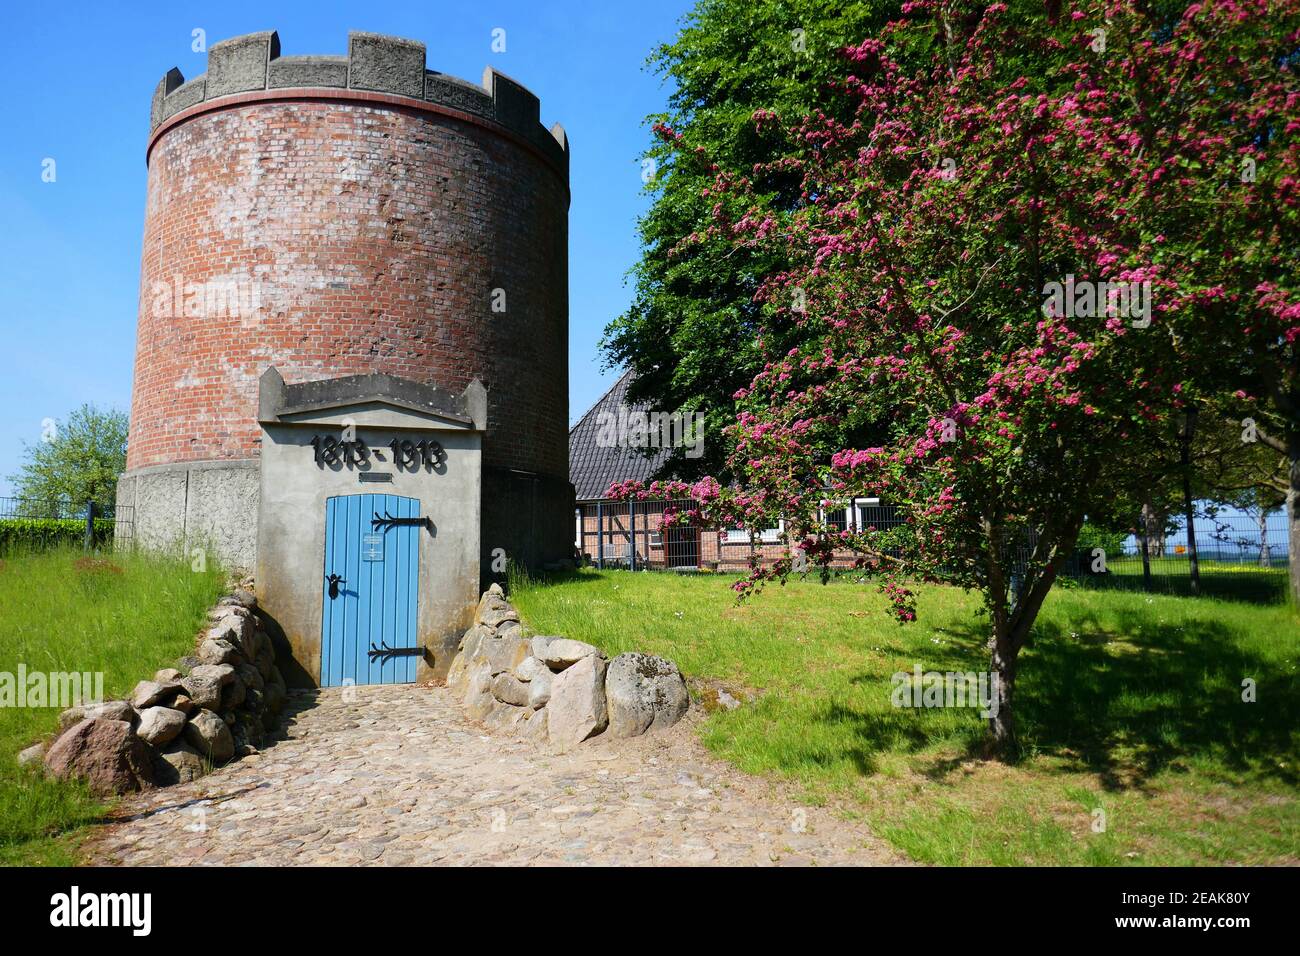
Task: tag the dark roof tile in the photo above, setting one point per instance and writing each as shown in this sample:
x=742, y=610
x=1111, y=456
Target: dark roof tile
x=593, y=468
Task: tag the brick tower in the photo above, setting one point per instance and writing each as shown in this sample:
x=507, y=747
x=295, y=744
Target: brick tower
x=339, y=216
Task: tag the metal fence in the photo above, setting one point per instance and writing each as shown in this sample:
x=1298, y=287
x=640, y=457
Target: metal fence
x=1235, y=555
x=103, y=526
x=623, y=534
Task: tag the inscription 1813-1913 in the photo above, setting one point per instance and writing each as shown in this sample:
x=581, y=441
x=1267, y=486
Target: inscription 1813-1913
x=406, y=453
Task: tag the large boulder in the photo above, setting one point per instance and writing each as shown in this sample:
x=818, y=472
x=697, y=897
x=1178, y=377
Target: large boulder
x=251, y=676
x=236, y=629
x=208, y=734
x=203, y=691
x=178, y=762
x=562, y=652
x=147, y=693
x=219, y=651
x=539, y=688
x=233, y=694
x=31, y=755
x=239, y=598
x=478, y=699
x=509, y=689
x=495, y=616
x=530, y=667
x=506, y=718
x=472, y=642
x=577, y=708
x=108, y=709
x=226, y=610
x=643, y=692
x=457, y=673
x=502, y=653
x=105, y=753
x=534, y=728
x=160, y=725
x=494, y=609
x=223, y=674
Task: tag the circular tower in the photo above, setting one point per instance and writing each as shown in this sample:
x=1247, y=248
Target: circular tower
x=336, y=216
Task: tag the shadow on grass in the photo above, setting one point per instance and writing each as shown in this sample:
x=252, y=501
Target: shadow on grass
x=1241, y=583
x=1166, y=695
x=1176, y=695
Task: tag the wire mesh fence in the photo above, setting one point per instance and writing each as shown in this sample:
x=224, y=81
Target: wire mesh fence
x=1228, y=555
x=42, y=523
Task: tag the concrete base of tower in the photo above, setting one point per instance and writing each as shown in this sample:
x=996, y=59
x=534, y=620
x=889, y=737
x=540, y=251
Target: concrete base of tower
x=210, y=506
x=526, y=518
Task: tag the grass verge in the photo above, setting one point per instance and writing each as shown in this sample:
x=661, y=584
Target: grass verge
x=1140, y=749
x=123, y=616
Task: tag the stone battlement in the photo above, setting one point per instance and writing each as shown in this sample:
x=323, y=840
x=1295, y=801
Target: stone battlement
x=375, y=63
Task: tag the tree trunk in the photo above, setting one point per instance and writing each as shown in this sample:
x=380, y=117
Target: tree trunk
x=1293, y=528
x=1002, y=722
x=1265, y=552
x=1189, y=515
x=1012, y=626
x=1153, y=523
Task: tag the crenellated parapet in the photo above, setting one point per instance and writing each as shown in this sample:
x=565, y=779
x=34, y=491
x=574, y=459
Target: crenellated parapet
x=375, y=64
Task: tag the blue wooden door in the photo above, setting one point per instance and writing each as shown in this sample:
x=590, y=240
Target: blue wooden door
x=375, y=589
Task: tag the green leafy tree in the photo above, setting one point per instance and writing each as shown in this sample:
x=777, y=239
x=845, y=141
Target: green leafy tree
x=691, y=330
x=1035, y=315
x=75, y=461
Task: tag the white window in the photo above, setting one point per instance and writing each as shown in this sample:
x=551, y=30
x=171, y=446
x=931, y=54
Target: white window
x=853, y=515
x=766, y=536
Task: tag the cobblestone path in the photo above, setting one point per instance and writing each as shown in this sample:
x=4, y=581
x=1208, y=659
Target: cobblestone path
x=397, y=776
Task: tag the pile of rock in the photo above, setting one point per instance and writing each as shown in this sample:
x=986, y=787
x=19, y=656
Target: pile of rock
x=557, y=690
x=214, y=705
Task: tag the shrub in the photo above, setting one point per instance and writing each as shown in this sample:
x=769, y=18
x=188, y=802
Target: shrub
x=37, y=534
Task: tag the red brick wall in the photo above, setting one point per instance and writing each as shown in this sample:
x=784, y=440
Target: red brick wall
x=714, y=550
x=374, y=237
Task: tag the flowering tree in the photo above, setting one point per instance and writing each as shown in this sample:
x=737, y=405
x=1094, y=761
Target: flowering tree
x=995, y=292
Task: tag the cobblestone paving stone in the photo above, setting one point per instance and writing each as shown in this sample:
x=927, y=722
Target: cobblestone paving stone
x=397, y=776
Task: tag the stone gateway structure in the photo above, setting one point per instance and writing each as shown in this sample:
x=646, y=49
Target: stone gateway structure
x=351, y=360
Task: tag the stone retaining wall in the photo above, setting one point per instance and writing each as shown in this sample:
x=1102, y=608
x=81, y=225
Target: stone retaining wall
x=556, y=690
x=215, y=705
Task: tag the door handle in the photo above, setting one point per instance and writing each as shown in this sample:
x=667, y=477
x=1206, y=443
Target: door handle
x=334, y=580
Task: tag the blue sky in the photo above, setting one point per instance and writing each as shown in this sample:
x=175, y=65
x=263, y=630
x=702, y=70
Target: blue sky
x=79, y=77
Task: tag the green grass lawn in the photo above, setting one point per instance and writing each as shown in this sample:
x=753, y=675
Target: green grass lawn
x=1128, y=704
x=124, y=616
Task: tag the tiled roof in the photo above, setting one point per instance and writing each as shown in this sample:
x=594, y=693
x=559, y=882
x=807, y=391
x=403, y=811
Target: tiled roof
x=592, y=469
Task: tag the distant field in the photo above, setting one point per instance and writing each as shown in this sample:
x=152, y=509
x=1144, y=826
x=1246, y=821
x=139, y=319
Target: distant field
x=1130, y=706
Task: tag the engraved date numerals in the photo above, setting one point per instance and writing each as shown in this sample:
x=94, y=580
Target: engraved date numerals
x=416, y=454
